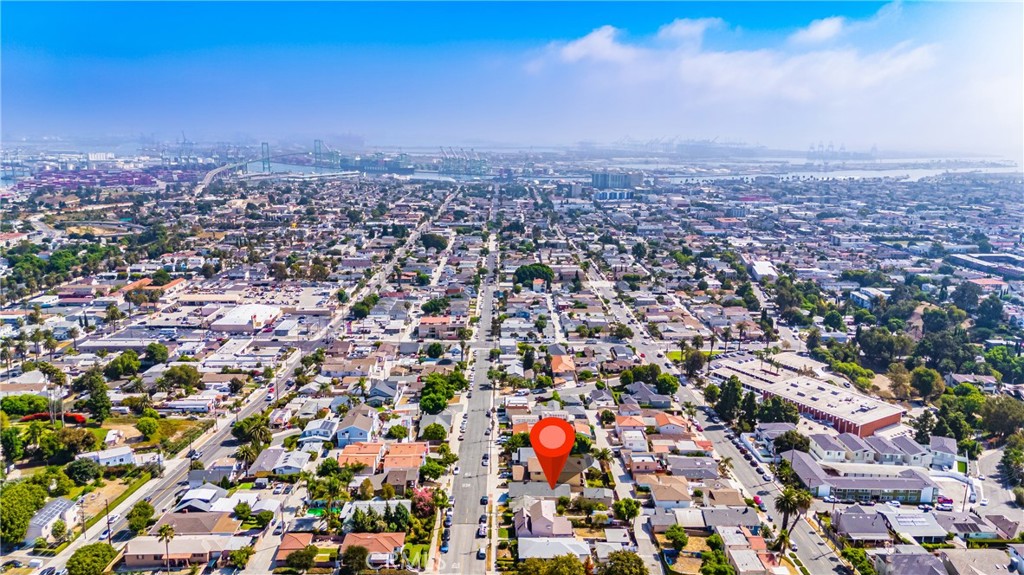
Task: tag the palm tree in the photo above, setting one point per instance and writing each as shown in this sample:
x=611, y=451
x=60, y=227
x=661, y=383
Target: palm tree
x=260, y=432
x=6, y=356
x=166, y=535
x=37, y=338
x=727, y=336
x=711, y=352
x=21, y=349
x=786, y=504
x=690, y=409
x=50, y=343
x=683, y=346
x=698, y=342
x=803, y=503
x=743, y=332
x=247, y=454
x=74, y=333
x=724, y=466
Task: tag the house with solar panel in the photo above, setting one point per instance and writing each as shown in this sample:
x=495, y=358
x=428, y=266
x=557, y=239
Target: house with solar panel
x=41, y=524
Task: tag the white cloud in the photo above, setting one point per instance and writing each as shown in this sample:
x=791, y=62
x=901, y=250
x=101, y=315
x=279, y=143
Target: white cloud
x=688, y=30
x=600, y=46
x=819, y=31
x=888, y=83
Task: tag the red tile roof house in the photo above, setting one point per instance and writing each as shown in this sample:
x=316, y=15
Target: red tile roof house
x=383, y=548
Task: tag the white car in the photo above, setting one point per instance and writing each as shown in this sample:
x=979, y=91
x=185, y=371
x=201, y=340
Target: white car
x=894, y=503
x=984, y=502
x=456, y=470
x=981, y=477
x=114, y=518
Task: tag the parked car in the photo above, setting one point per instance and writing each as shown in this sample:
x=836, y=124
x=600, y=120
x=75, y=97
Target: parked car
x=481, y=553
x=444, y=547
x=446, y=534
x=483, y=500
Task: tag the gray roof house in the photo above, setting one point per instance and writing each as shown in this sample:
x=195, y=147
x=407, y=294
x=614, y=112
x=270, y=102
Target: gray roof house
x=41, y=524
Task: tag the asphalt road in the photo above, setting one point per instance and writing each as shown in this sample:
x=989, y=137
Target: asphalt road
x=475, y=479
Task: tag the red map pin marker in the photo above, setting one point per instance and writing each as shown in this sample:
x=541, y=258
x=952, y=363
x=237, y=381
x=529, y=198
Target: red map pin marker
x=552, y=440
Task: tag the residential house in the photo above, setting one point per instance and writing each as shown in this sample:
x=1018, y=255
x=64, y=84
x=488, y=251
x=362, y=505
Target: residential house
x=385, y=549
x=116, y=456
x=317, y=432
x=826, y=448
x=541, y=520
x=944, y=451
x=360, y=424
x=551, y=547
x=58, y=509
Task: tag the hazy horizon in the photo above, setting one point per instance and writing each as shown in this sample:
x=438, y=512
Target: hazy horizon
x=940, y=78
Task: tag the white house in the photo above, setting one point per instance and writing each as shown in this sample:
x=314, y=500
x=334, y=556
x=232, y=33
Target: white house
x=319, y=431
x=944, y=451
x=826, y=448
x=41, y=524
x=117, y=456
x=634, y=441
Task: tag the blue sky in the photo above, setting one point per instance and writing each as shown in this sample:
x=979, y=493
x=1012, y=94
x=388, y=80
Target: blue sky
x=914, y=76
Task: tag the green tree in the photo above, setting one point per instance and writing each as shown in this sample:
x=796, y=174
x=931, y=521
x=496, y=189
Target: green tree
x=91, y=559
x=435, y=350
x=398, y=432
x=924, y=424
x=1003, y=415
x=302, y=559
x=353, y=559
x=139, y=516
x=431, y=470
x=263, y=518
x=623, y=563
x=712, y=393
x=83, y=471
x=728, y=404
x=59, y=530
x=240, y=557
x=749, y=408
x=19, y=502
x=990, y=312
x=833, y=320
x=434, y=432
x=156, y=353
x=927, y=382
x=676, y=534
x=667, y=384
x=790, y=440
x=12, y=444
x=243, y=511
x=99, y=401
x=777, y=410
x=627, y=509
x=966, y=296
x=147, y=426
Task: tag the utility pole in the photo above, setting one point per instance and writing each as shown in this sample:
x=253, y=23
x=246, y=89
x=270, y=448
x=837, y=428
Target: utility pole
x=110, y=536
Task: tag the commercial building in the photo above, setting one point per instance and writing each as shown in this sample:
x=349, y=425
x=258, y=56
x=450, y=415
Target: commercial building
x=845, y=409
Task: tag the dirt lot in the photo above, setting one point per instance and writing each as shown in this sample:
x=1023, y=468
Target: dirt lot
x=96, y=502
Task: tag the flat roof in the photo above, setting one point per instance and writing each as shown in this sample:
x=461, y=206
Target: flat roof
x=808, y=392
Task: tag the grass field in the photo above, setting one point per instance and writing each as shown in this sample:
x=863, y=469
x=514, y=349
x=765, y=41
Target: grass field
x=676, y=355
x=417, y=555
